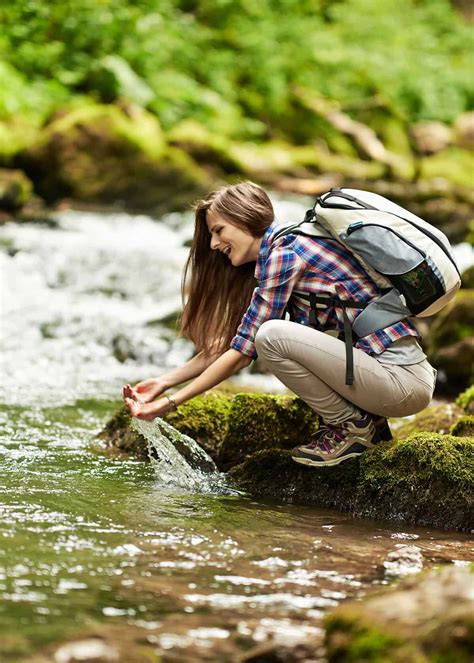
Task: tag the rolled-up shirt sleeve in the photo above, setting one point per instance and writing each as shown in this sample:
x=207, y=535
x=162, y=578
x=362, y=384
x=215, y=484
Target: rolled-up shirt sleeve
x=282, y=270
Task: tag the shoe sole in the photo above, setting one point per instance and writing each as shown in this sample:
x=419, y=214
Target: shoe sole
x=326, y=463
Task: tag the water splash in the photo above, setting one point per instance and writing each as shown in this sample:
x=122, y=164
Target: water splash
x=178, y=460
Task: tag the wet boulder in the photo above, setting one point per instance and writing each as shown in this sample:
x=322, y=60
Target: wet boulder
x=205, y=419
x=464, y=130
x=426, y=479
x=109, y=154
x=427, y=617
x=118, y=435
x=450, y=346
x=124, y=434
x=228, y=427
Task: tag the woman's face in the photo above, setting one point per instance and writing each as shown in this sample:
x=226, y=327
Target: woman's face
x=237, y=244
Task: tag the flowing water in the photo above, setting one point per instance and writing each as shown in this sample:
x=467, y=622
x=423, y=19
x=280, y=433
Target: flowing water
x=108, y=558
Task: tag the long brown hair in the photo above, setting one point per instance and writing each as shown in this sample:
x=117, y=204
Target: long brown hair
x=215, y=293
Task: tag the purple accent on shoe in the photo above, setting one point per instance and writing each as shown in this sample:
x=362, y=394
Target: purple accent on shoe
x=334, y=443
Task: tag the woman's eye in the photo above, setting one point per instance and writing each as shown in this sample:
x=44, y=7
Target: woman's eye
x=218, y=231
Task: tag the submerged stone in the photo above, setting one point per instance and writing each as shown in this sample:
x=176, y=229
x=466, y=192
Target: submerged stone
x=426, y=618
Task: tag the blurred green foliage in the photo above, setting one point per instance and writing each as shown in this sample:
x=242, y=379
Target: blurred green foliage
x=235, y=65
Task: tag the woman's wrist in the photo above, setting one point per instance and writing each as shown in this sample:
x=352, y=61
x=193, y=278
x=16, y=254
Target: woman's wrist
x=172, y=405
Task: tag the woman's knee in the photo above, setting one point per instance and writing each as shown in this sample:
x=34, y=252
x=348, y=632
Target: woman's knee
x=267, y=335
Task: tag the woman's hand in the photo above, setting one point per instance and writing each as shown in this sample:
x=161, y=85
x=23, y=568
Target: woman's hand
x=147, y=411
x=145, y=391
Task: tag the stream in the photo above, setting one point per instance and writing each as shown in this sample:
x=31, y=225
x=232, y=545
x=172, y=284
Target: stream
x=101, y=558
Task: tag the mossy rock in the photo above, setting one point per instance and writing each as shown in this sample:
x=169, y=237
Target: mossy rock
x=111, y=155
x=424, y=619
x=427, y=479
x=118, y=435
x=464, y=427
x=229, y=427
x=451, y=344
x=433, y=419
x=16, y=189
x=207, y=148
x=262, y=421
x=266, y=161
x=465, y=400
x=205, y=419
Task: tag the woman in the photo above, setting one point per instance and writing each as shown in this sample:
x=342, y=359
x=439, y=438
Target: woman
x=241, y=283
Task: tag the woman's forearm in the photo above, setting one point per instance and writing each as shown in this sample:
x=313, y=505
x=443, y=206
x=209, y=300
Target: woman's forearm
x=223, y=367
x=191, y=369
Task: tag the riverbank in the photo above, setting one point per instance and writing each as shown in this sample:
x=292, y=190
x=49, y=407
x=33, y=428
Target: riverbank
x=119, y=156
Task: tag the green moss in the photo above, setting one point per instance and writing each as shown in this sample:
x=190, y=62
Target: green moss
x=106, y=154
x=360, y=641
x=464, y=427
x=419, y=459
x=261, y=421
x=465, y=400
x=433, y=419
x=205, y=419
x=427, y=479
x=138, y=127
x=206, y=147
x=425, y=619
x=453, y=164
x=119, y=435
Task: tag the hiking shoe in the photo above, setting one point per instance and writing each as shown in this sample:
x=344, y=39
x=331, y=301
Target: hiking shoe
x=332, y=444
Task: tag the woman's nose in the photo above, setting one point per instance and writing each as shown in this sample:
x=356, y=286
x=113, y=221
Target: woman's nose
x=214, y=242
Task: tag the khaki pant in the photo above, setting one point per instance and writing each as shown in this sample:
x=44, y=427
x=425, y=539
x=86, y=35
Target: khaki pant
x=313, y=365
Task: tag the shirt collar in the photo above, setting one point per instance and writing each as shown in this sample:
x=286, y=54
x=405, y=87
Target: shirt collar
x=265, y=247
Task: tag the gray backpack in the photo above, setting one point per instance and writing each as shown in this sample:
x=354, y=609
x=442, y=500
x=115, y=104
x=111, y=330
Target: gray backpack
x=408, y=258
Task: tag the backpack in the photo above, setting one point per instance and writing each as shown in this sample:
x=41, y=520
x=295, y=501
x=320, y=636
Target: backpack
x=407, y=257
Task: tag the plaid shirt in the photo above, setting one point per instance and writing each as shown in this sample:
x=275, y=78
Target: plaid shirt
x=296, y=263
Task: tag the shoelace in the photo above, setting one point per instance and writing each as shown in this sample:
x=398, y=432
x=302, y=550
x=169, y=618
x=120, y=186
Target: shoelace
x=328, y=437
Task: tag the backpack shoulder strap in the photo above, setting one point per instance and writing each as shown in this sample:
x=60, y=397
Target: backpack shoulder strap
x=309, y=227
